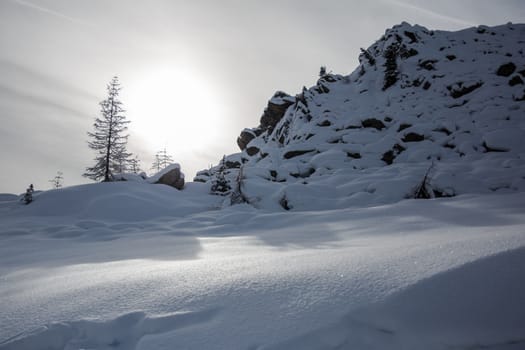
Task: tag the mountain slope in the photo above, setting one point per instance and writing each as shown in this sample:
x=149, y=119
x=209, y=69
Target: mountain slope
x=426, y=113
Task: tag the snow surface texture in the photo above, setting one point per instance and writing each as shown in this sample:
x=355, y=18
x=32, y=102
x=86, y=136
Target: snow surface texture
x=133, y=265
x=418, y=274
x=419, y=97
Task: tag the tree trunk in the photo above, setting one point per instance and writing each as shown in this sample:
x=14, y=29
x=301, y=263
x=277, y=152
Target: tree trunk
x=108, y=149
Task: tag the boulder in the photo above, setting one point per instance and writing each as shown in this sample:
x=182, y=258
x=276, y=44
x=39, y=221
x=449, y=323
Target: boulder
x=506, y=69
x=389, y=156
x=292, y=154
x=245, y=137
x=516, y=80
x=172, y=177
x=251, y=151
x=413, y=137
x=459, y=89
x=373, y=123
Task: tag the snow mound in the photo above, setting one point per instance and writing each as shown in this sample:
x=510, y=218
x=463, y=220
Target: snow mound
x=128, y=201
x=6, y=197
x=476, y=305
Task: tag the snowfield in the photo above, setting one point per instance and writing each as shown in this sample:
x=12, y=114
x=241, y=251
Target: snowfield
x=169, y=270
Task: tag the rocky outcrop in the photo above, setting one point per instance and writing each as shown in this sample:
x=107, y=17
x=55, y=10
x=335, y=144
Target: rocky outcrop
x=275, y=110
x=452, y=102
x=272, y=114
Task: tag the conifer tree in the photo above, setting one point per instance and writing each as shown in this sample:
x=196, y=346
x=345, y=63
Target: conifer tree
x=28, y=196
x=109, y=139
x=162, y=160
x=134, y=165
x=57, y=180
x=220, y=186
x=122, y=162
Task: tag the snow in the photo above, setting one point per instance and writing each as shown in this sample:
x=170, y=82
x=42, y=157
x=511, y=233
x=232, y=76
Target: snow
x=504, y=140
x=418, y=273
x=7, y=197
x=329, y=252
x=122, y=201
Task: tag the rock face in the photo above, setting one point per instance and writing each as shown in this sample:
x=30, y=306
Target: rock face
x=273, y=113
x=275, y=110
x=245, y=137
x=451, y=102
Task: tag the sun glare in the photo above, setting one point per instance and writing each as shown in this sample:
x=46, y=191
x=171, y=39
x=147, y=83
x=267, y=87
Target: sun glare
x=173, y=108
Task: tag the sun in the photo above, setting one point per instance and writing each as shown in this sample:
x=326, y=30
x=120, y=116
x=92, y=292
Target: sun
x=174, y=108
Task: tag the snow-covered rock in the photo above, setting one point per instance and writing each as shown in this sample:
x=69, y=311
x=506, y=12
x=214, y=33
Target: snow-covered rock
x=171, y=176
x=450, y=101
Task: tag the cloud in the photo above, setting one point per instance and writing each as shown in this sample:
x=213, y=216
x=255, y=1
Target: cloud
x=12, y=94
x=431, y=13
x=48, y=11
x=17, y=75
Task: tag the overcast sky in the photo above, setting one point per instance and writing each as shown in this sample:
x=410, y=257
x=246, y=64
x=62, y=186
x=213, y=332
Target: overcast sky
x=194, y=73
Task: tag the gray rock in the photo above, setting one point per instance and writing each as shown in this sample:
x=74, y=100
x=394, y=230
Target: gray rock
x=245, y=137
x=506, y=69
x=172, y=178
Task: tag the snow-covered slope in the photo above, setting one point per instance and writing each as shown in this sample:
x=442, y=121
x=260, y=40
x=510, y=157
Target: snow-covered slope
x=450, y=104
x=121, y=201
x=440, y=274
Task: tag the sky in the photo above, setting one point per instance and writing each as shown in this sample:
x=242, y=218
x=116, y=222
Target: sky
x=193, y=73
